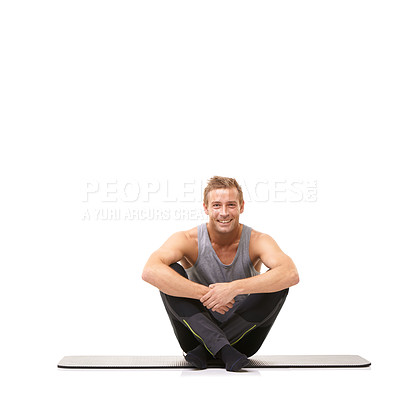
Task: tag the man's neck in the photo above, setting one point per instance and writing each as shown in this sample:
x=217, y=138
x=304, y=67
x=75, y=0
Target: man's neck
x=224, y=239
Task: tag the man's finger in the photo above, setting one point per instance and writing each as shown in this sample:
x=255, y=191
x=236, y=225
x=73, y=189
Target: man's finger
x=207, y=302
x=205, y=297
x=212, y=304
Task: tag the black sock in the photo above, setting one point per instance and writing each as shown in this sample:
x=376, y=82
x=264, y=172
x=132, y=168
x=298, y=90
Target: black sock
x=198, y=357
x=234, y=360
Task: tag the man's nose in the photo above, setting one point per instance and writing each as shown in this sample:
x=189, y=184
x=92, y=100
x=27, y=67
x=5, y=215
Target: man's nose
x=224, y=210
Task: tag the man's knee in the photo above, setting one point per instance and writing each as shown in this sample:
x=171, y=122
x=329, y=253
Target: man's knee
x=179, y=269
x=259, y=306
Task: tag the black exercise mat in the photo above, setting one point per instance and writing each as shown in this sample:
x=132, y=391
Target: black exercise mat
x=288, y=361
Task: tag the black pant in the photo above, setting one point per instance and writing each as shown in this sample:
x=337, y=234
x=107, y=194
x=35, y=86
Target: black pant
x=246, y=329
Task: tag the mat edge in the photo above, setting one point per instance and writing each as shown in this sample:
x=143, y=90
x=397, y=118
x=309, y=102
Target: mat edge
x=60, y=365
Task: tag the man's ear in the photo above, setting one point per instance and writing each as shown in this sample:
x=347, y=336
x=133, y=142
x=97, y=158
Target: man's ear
x=242, y=207
x=205, y=208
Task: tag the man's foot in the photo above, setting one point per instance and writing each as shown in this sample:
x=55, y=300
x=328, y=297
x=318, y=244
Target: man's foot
x=198, y=357
x=233, y=359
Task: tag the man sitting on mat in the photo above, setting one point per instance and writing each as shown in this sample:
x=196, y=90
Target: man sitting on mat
x=219, y=304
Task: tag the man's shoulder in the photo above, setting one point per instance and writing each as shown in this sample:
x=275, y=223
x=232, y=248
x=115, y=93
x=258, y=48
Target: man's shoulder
x=256, y=237
x=259, y=241
x=256, y=234
x=188, y=242
x=183, y=240
x=191, y=233
x=188, y=235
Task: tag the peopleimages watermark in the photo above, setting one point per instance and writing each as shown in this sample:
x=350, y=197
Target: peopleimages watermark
x=165, y=199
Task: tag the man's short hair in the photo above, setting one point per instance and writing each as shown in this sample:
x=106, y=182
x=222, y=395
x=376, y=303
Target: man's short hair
x=220, y=182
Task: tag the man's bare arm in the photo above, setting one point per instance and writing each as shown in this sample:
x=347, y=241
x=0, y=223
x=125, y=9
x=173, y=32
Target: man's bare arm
x=158, y=272
x=282, y=274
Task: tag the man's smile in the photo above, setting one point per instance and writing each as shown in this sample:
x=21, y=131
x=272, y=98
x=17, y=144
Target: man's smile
x=224, y=222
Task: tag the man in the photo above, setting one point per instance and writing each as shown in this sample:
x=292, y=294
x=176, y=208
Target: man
x=219, y=303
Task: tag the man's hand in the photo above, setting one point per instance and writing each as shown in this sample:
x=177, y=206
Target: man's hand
x=220, y=297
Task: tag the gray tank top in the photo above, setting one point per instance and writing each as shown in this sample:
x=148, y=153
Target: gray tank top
x=209, y=269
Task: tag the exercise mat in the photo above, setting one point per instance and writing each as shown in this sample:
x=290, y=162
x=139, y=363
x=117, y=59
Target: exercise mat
x=273, y=361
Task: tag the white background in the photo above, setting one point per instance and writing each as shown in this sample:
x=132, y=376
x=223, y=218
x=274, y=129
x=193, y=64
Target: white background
x=178, y=91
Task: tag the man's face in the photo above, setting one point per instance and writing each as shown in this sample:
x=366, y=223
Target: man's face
x=223, y=209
